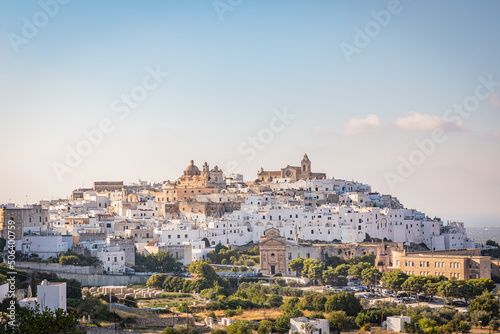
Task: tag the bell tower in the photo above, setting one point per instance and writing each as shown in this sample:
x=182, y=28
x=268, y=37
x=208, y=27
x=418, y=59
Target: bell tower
x=305, y=165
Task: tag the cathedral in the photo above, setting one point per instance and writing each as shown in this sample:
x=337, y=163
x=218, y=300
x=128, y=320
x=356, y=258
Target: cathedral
x=194, y=182
x=194, y=178
x=291, y=172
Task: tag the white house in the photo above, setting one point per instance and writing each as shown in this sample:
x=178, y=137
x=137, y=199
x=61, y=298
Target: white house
x=300, y=325
x=45, y=245
x=51, y=295
x=112, y=258
x=396, y=323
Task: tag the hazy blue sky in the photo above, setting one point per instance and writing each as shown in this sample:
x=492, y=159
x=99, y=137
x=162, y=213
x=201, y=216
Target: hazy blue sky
x=231, y=65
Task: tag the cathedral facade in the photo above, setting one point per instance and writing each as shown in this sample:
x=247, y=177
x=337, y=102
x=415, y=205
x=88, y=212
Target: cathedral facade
x=194, y=182
x=292, y=172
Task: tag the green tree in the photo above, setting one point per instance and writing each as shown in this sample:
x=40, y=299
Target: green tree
x=297, y=265
x=357, y=269
x=394, y=280
x=203, y=270
x=362, y=319
x=168, y=330
x=370, y=276
x=315, y=270
x=66, y=260
x=239, y=327
x=479, y=318
x=427, y=324
x=73, y=289
x=275, y=300
x=464, y=327
x=265, y=327
x=334, y=261
x=156, y=281
x=343, y=301
x=339, y=321
x=413, y=285
x=487, y=303
x=342, y=270
x=35, y=320
x=282, y=323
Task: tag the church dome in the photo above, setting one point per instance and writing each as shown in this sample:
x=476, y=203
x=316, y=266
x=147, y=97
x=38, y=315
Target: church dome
x=192, y=169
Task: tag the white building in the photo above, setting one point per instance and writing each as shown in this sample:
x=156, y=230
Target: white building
x=51, y=295
x=45, y=245
x=112, y=258
x=300, y=325
x=396, y=323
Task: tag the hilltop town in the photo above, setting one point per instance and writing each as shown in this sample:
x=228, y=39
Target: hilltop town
x=291, y=226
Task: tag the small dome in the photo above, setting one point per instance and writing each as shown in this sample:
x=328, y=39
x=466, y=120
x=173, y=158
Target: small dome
x=192, y=169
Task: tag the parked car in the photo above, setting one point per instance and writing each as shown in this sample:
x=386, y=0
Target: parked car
x=459, y=303
x=278, y=275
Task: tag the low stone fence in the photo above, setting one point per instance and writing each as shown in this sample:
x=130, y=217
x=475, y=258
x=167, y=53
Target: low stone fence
x=56, y=268
x=103, y=330
x=164, y=322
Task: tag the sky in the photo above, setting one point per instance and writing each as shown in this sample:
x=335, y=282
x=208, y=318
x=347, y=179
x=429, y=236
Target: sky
x=401, y=95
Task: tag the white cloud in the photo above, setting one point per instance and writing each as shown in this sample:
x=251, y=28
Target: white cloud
x=356, y=126
x=423, y=122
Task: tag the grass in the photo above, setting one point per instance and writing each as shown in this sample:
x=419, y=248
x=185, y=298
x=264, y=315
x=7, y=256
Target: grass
x=249, y=314
x=174, y=295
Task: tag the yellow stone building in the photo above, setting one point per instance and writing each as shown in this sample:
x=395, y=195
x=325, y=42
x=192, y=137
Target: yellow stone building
x=193, y=182
x=292, y=172
x=460, y=264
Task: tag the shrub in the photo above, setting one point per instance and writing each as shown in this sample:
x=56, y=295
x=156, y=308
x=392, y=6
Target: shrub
x=218, y=331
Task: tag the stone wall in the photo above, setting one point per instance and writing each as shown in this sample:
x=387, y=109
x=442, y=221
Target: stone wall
x=90, y=279
x=164, y=322
x=103, y=330
x=56, y=268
